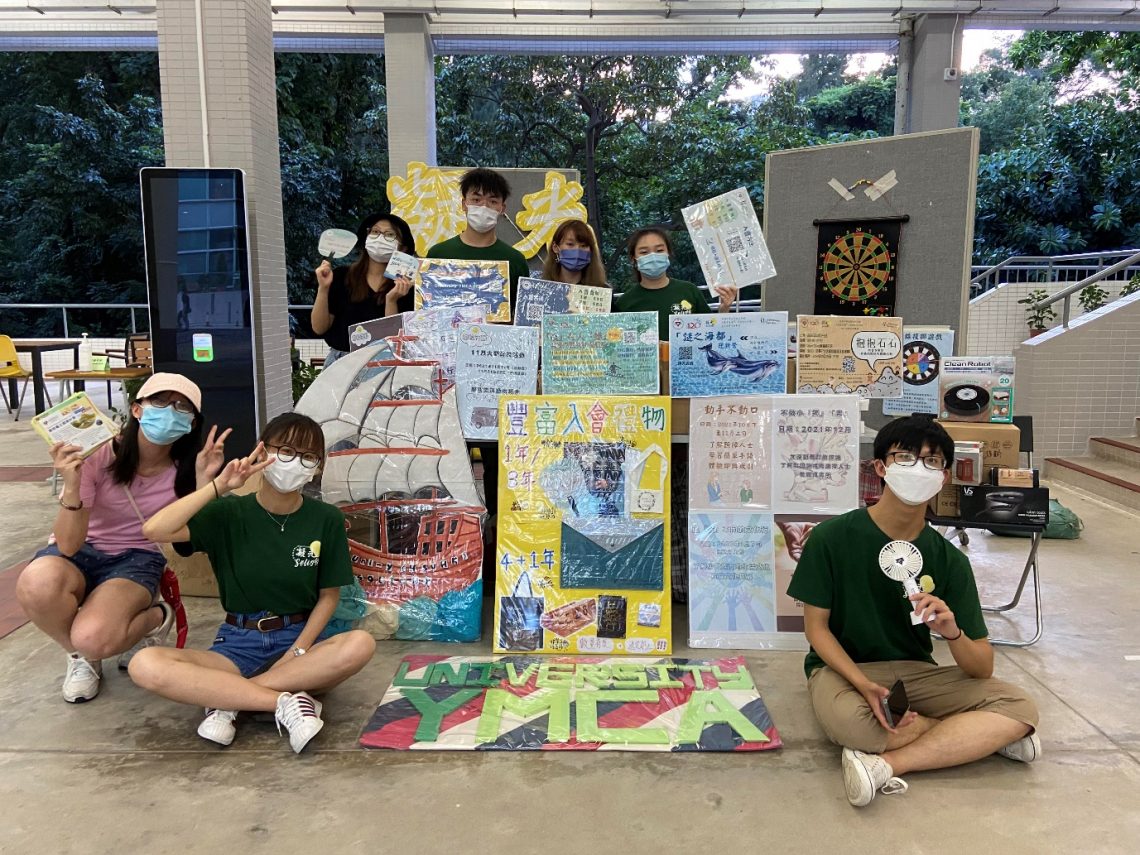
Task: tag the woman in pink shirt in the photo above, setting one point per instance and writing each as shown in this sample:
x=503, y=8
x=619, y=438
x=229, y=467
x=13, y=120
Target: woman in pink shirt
x=92, y=589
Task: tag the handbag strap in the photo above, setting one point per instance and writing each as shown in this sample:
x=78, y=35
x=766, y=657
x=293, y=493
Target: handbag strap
x=134, y=504
x=529, y=586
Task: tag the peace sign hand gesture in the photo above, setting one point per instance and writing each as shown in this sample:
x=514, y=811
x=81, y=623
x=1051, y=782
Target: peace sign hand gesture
x=212, y=456
x=240, y=470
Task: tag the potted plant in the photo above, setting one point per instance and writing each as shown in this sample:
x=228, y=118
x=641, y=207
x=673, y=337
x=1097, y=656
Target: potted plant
x=1132, y=287
x=1092, y=297
x=1038, y=318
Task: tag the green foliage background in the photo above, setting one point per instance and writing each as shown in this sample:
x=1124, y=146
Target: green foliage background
x=1060, y=167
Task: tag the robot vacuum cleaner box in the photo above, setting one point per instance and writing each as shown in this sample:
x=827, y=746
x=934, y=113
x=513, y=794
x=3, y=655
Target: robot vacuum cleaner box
x=1005, y=505
x=976, y=389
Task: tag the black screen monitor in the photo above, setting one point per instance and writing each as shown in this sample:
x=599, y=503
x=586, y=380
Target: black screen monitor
x=196, y=239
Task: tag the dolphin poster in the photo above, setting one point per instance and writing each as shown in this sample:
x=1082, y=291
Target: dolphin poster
x=728, y=354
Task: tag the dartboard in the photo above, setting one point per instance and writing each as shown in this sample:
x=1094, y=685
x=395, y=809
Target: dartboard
x=920, y=363
x=857, y=266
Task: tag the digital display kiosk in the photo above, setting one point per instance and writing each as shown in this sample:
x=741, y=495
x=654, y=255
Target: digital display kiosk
x=196, y=239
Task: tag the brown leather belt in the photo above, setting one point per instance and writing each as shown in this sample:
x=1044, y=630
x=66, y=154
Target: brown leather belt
x=269, y=623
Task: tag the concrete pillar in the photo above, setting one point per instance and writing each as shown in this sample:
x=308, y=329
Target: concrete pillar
x=927, y=101
x=409, y=70
x=231, y=122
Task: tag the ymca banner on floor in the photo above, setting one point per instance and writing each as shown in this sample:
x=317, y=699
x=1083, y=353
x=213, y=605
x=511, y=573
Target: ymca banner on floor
x=517, y=703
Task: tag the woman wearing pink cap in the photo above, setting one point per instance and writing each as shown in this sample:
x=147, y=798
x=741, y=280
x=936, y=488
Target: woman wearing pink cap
x=92, y=589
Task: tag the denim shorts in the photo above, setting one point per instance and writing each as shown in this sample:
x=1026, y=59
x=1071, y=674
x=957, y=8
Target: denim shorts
x=254, y=651
x=143, y=566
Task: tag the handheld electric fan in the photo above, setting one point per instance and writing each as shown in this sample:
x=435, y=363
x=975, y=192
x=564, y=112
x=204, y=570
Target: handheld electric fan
x=901, y=561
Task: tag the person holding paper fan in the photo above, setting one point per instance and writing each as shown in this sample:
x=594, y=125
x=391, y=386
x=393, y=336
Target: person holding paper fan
x=874, y=583
x=92, y=589
x=574, y=257
x=362, y=292
x=651, y=252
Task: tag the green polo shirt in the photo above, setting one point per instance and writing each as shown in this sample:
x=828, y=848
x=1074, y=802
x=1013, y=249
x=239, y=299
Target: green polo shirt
x=870, y=614
x=678, y=297
x=262, y=567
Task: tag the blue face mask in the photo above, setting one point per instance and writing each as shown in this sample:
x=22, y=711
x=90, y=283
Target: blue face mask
x=654, y=264
x=574, y=259
x=164, y=425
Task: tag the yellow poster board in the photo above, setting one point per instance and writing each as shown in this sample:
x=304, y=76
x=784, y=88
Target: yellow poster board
x=583, y=533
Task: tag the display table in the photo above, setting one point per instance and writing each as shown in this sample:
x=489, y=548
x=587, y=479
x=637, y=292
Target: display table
x=1030, y=569
x=37, y=347
x=79, y=379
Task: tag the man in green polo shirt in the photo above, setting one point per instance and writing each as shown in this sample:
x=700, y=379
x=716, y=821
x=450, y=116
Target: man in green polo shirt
x=858, y=621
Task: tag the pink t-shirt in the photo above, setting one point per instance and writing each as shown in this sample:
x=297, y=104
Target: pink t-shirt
x=113, y=525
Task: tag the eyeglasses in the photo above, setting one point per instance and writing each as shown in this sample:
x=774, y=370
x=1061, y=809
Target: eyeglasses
x=389, y=235
x=930, y=461
x=286, y=453
x=162, y=403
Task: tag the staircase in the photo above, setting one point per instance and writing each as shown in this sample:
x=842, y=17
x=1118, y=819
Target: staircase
x=1110, y=471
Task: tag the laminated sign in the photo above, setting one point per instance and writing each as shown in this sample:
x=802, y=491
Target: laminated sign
x=728, y=241
x=614, y=354
x=493, y=360
x=583, y=525
x=446, y=282
x=849, y=356
x=922, y=354
x=723, y=354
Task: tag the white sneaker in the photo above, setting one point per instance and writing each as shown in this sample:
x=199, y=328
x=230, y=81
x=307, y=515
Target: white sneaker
x=82, y=680
x=301, y=715
x=1025, y=750
x=155, y=638
x=218, y=726
x=864, y=775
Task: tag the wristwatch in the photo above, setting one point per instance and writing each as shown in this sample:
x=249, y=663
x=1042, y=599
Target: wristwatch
x=299, y=651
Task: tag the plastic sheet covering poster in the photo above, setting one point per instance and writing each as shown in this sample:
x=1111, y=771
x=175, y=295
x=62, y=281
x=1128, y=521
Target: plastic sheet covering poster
x=398, y=469
x=730, y=451
x=517, y=703
x=922, y=353
x=433, y=334
x=849, y=356
x=791, y=534
x=448, y=283
x=732, y=579
x=493, y=360
x=583, y=531
x=538, y=297
x=728, y=241
x=728, y=354
x=815, y=454
x=590, y=299
x=614, y=354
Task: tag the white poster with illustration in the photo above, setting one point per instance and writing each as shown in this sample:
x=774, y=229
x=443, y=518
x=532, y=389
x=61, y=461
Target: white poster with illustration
x=491, y=361
x=923, y=350
x=732, y=579
x=728, y=354
x=839, y=355
x=730, y=449
x=815, y=454
x=728, y=241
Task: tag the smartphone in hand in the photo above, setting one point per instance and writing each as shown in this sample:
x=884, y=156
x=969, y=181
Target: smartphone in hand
x=896, y=704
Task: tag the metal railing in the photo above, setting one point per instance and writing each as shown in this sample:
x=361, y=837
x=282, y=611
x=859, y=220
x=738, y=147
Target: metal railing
x=1065, y=294
x=63, y=307
x=1049, y=269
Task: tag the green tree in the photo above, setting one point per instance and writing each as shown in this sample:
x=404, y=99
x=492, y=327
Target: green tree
x=821, y=71
x=863, y=106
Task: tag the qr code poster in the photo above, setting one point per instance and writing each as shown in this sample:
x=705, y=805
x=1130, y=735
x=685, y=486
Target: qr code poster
x=615, y=354
x=728, y=354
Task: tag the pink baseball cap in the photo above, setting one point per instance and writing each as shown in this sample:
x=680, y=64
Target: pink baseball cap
x=165, y=381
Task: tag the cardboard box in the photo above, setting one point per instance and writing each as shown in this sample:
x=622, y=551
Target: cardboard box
x=1015, y=477
x=1005, y=505
x=946, y=503
x=1000, y=443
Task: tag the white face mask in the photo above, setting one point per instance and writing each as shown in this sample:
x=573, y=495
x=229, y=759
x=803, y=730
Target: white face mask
x=288, y=476
x=482, y=219
x=914, y=485
x=379, y=247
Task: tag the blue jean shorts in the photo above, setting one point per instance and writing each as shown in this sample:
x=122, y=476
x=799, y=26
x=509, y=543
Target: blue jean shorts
x=254, y=651
x=143, y=566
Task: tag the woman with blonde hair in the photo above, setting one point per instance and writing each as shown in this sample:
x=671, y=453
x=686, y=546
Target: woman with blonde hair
x=574, y=256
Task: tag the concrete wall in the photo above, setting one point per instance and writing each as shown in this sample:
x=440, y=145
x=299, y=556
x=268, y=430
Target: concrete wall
x=1082, y=382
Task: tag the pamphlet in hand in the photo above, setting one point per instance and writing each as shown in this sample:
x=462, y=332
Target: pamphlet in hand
x=402, y=264
x=75, y=421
